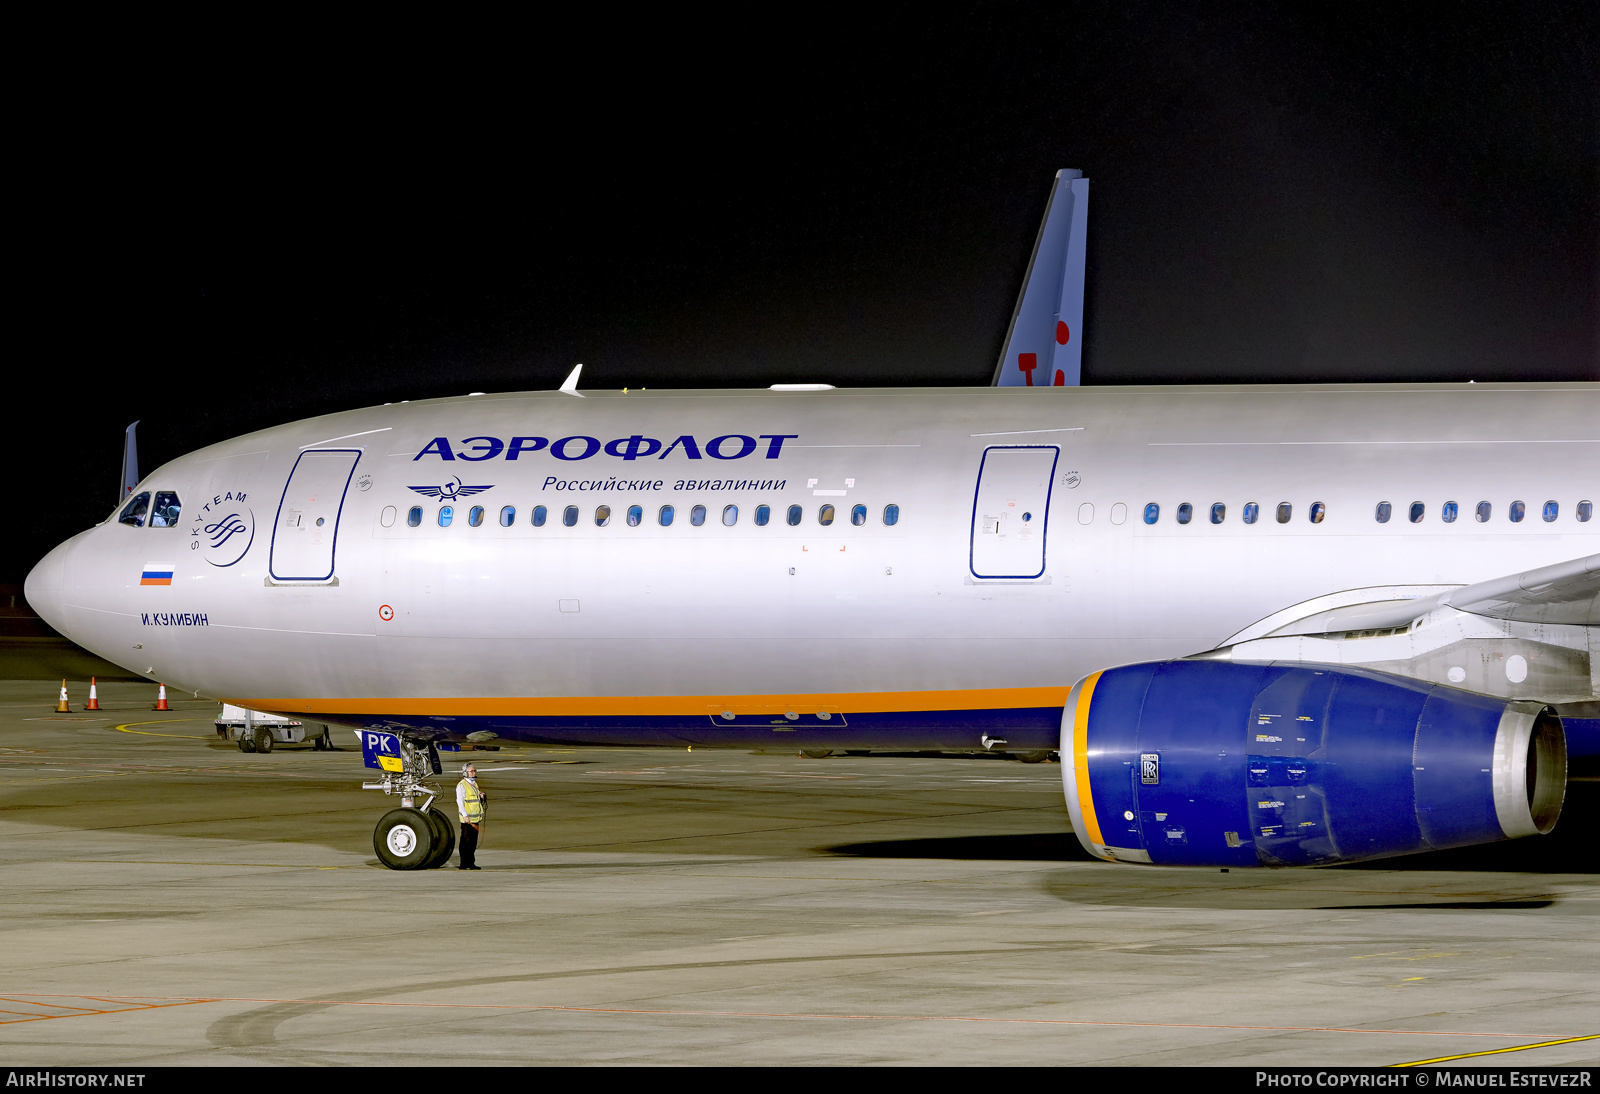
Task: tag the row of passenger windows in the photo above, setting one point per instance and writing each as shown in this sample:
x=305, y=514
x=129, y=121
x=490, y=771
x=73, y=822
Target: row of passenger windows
x=1416, y=513
x=634, y=516
x=163, y=515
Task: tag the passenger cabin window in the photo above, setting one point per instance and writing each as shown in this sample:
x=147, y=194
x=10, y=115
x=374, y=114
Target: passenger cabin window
x=538, y=516
x=664, y=517
x=475, y=516
x=1485, y=511
x=1285, y=511
x=891, y=515
x=1448, y=512
x=635, y=516
x=508, y=516
x=602, y=516
x=1551, y=511
x=1252, y=512
x=1418, y=511
x=1185, y=513
x=1518, y=511
x=1318, y=511
x=569, y=516
x=1585, y=511
x=795, y=515
x=133, y=513
x=1383, y=512
x=858, y=515
x=1152, y=513
x=1219, y=513
x=763, y=515
x=167, y=508
x=414, y=516
x=447, y=513
x=697, y=515
x=825, y=515
x=730, y=515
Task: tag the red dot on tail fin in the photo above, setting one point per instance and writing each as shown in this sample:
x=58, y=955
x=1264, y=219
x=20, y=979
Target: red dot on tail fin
x=1062, y=333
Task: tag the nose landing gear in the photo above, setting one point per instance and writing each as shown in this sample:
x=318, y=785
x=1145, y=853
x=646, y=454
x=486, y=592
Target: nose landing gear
x=408, y=838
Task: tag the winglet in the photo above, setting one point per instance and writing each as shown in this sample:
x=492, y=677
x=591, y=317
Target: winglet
x=130, y=462
x=570, y=384
x=1044, y=345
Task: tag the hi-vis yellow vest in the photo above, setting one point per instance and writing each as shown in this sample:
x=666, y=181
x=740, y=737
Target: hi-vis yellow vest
x=473, y=800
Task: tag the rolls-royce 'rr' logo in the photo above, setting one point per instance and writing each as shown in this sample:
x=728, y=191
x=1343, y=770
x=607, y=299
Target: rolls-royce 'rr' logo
x=451, y=490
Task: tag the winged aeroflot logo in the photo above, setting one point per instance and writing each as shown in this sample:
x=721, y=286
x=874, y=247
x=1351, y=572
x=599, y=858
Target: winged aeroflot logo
x=451, y=490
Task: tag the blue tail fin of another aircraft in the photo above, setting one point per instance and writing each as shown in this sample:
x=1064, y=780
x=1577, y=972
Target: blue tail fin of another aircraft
x=1044, y=347
x=130, y=463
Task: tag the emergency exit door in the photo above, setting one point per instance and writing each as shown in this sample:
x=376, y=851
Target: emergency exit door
x=1011, y=510
x=306, y=531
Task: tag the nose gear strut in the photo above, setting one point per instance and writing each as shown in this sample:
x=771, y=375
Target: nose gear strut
x=412, y=837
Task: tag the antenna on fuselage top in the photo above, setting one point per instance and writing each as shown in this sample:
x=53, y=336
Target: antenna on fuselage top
x=130, y=462
x=570, y=384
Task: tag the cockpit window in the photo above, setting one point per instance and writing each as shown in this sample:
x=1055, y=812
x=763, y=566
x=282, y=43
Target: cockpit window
x=133, y=513
x=165, y=513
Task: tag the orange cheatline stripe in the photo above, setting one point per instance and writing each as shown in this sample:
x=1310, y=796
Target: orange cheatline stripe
x=1080, y=760
x=1498, y=1051
x=845, y=702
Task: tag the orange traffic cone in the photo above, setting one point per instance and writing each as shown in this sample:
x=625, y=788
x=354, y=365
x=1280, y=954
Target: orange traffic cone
x=94, y=700
x=61, y=704
x=161, y=703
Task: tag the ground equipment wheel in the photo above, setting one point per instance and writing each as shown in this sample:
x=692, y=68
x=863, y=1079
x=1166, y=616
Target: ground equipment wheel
x=263, y=739
x=1032, y=757
x=246, y=743
x=404, y=839
x=446, y=839
x=321, y=743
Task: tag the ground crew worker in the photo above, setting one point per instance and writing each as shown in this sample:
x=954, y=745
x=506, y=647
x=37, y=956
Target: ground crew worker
x=470, y=802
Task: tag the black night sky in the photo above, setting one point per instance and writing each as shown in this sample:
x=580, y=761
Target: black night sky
x=214, y=243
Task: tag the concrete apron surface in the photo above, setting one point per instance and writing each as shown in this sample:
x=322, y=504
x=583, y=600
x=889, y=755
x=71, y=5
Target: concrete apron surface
x=168, y=899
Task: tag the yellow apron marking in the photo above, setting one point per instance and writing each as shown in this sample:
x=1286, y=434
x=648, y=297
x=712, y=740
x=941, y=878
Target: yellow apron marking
x=126, y=727
x=1497, y=1051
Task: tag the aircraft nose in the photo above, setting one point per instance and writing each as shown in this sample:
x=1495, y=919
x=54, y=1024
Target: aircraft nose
x=46, y=585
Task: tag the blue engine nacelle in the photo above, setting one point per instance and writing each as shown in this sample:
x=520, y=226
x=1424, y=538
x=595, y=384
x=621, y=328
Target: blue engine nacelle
x=1218, y=763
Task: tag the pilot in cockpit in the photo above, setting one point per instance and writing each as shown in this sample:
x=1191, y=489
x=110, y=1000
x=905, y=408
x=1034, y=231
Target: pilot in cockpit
x=165, y=512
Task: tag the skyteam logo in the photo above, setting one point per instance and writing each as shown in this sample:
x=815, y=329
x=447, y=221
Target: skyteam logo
x=451, y=490
x=223, y=528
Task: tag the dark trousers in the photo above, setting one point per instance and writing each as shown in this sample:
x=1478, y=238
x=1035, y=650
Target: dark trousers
x=469, y=845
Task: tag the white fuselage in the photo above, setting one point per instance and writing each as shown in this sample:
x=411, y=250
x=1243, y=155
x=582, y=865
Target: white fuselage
x=682, y=620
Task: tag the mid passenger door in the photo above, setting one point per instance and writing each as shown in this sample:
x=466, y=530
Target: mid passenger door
x=1010, y=511
x=305, y=533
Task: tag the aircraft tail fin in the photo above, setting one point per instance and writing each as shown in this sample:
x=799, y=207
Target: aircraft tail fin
x=1044, y=345
x=130, y=462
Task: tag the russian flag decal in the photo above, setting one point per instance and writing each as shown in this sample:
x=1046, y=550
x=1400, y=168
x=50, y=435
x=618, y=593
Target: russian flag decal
x=156, y=573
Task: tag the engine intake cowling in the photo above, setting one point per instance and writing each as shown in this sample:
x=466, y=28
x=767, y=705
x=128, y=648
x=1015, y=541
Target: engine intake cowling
x=1213, y=763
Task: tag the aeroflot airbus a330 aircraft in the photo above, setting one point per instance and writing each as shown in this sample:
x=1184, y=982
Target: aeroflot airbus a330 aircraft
x=1263, y=625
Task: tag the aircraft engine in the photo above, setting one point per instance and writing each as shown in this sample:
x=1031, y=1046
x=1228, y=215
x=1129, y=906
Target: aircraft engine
x=1210, y=763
